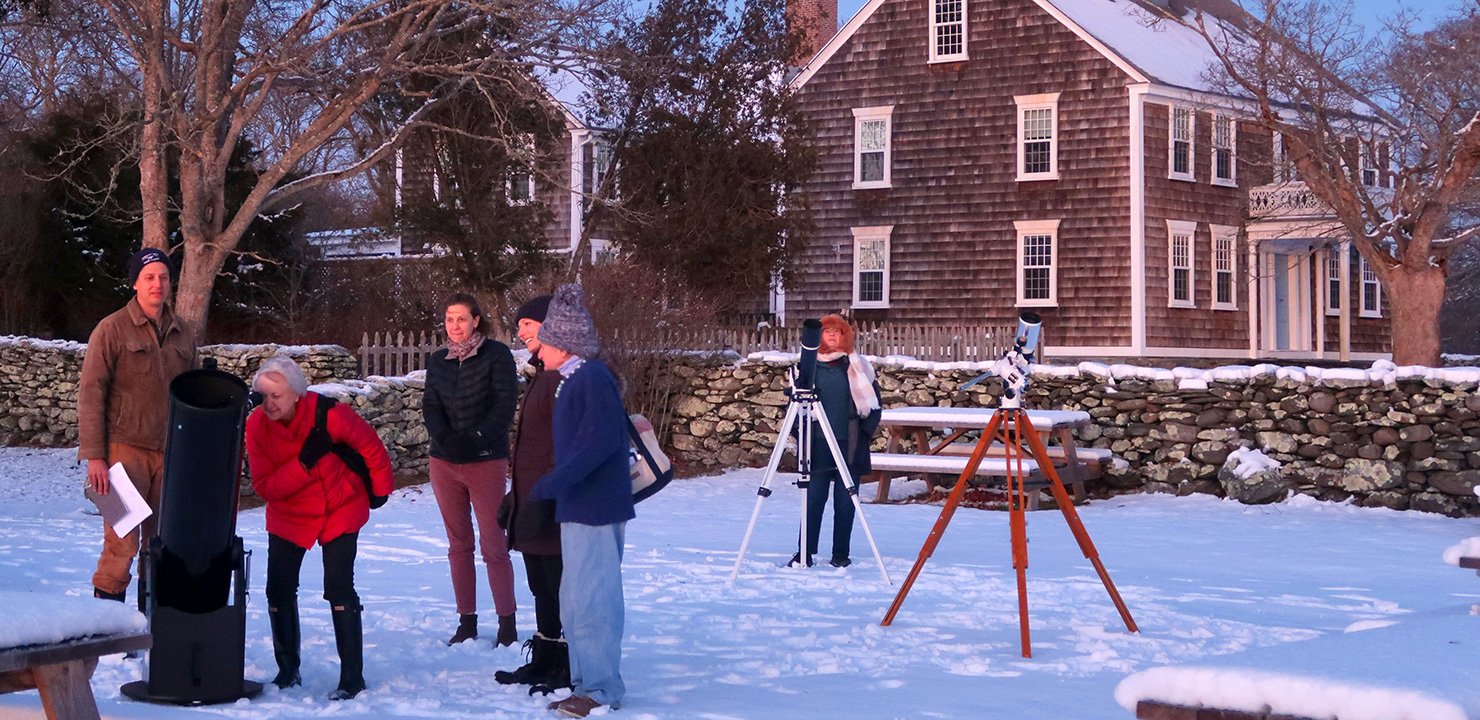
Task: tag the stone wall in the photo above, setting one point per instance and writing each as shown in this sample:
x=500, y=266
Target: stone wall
x=1387, y=436
x=1393, y=437
x=38, y=381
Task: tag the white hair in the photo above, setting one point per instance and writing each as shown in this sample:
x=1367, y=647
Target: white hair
x=286, y=370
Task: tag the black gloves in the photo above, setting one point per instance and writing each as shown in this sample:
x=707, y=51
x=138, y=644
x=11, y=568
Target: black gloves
x=378, y=500
x=315, y=447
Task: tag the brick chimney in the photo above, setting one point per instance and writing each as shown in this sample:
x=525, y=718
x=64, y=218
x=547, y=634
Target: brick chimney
x=816, y=21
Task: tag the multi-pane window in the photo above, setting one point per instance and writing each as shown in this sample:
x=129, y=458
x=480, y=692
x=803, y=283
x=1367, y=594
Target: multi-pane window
x=1179, y=267
x=947, y=30
x=1371, y=292
x=1225, y=133
x=1333, y=281
x=521, y=185
x=1371, y=174
x=1225, y=267
x=872, y=146
x=1038, y=284
x=1038, y=152
x=1180, y=160
x=871, y=266
x=1284, y=168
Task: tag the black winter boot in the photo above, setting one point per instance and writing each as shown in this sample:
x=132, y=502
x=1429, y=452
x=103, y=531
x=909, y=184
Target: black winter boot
x=467, y=628
x=557, y=671
x=284, y=621
x=349, y=638
x=530, y=672
x=508, y=634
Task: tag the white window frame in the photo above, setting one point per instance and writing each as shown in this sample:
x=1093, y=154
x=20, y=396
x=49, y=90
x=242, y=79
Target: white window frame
x=1026, y=228
x=1367, y=163
x=1334, y=296
x=1284, y=169
x=1026, y=103
x=1230, y=124
x=1191, y=174
x=1369, y=278
x=935, y=29
x=869, y=114
x=509, y=187
x=1224, y=237
x=871, y=234
x=1174, y=229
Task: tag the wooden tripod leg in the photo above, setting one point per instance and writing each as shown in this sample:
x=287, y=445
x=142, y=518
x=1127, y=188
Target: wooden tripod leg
x=1018, y=520
x=946, y=512
x=1071, y=516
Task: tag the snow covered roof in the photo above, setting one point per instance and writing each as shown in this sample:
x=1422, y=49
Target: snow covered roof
x=1151, y=40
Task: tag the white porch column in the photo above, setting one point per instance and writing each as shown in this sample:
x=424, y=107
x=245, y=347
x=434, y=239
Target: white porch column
x=1346, y=300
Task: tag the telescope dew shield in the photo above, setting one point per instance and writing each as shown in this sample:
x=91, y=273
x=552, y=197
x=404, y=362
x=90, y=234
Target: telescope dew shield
x=197, y=574
x=807, y=363
x=1029, y=327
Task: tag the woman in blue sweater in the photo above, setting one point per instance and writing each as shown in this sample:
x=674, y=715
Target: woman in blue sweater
x=592, y=490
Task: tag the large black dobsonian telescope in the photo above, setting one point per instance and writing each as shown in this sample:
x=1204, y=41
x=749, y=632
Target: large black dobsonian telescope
x=195, y=581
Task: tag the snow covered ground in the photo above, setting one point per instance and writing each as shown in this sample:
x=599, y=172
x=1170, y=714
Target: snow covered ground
x=1203, y=577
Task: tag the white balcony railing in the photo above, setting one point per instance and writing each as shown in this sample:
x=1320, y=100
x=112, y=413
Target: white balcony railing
x=1295, y=201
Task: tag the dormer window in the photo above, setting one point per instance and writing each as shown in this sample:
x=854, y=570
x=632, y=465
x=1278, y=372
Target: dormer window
x=947, y=30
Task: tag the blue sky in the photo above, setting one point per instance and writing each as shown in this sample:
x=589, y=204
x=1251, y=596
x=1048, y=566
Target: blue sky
x=1370, y=12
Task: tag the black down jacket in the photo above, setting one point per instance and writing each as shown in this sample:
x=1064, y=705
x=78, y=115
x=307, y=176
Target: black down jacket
x=469, y=405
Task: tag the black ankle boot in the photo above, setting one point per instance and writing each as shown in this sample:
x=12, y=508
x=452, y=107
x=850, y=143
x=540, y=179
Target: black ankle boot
x=284, y=622
x=556, y=670
x=467, y=628
x=508, y=634
x=349, y=638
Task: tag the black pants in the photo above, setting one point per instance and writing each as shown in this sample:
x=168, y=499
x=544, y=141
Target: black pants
x=284, y=560
x=543, y=574
x=817, y=491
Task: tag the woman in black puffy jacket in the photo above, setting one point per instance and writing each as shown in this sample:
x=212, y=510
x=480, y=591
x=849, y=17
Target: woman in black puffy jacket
x=468, y=405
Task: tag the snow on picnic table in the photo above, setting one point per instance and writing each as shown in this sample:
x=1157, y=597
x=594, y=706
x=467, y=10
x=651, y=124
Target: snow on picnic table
x=1204, y=577
x=36, y=618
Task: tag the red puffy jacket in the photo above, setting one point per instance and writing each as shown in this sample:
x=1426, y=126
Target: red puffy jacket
x=329, y=500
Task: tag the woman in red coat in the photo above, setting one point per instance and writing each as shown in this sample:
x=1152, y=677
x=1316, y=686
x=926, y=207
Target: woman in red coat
x=312, y=496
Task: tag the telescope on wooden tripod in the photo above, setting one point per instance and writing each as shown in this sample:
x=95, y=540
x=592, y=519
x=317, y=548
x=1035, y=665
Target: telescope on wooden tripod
x=804, y=412
x=1011, y=426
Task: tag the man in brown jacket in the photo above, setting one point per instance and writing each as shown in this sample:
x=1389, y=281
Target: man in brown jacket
x=123, y=404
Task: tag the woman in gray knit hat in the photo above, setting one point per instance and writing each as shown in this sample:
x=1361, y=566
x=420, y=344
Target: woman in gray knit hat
x=592, y=490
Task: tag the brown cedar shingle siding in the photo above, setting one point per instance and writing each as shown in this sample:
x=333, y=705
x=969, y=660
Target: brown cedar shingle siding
x=1203, y=203
x=954, y=197
x=552, y=188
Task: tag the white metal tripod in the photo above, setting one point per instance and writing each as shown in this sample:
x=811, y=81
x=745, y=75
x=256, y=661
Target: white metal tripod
x=803, y=411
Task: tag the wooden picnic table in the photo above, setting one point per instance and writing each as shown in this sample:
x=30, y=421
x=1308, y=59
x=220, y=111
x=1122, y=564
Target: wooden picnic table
x=61, y=671
x=948, y=457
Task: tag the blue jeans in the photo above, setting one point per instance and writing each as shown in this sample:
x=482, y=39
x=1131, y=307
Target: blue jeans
x=591, y=608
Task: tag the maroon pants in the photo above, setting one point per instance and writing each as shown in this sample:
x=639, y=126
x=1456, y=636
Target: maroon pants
x=464, y=492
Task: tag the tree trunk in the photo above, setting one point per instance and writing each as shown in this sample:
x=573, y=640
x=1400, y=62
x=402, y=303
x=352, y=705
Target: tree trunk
x=1414, y=296
x=197, y=278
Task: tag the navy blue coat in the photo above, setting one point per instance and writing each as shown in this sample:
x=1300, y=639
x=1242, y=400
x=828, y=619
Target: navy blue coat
x=854, y=433
x=592, y=482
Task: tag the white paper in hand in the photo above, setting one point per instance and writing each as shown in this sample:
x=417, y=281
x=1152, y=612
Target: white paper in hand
x=122, y=507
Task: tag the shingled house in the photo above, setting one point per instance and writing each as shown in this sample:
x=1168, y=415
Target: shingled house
x=982, y=157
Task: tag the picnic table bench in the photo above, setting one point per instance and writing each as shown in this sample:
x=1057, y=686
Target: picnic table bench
x=52, y=644
x=1074, y=464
